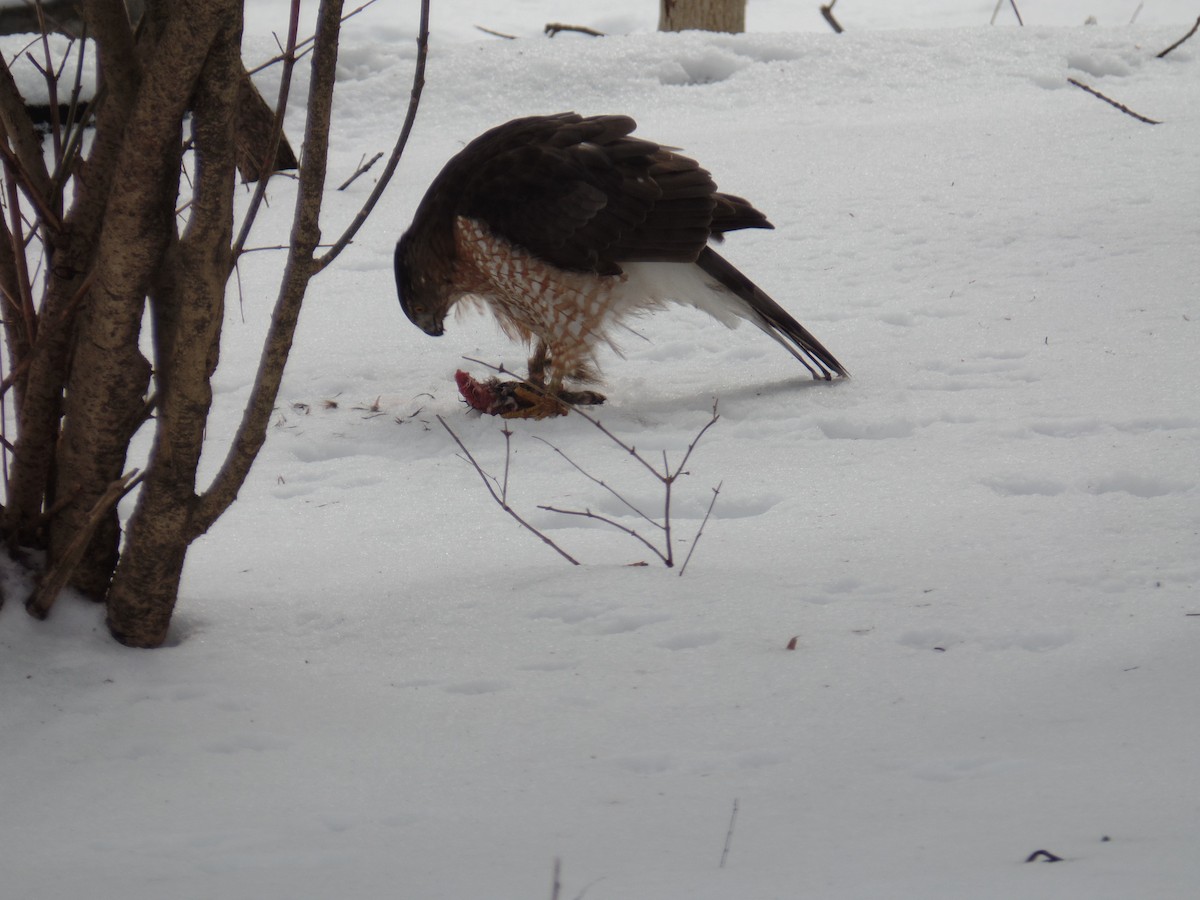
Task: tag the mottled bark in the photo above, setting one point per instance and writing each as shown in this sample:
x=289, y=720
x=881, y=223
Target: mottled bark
x=702, y=15
x=188, y=303
x=105, y=401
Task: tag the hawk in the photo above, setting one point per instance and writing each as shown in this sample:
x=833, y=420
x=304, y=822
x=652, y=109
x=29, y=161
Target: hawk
x=565, y=226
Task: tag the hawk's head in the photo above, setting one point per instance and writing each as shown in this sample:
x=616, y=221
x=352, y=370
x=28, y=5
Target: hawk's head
x=422, y=293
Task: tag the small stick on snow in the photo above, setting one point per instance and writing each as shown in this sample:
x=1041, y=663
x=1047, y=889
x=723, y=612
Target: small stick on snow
x=499, y=34
x=716, y=492
x=729, y=834
x=827, y=13
x=1121, y=106
x=1181, y=40
x=553, y=28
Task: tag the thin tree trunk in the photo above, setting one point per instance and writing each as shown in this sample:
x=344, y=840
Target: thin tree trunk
x=702, y=15
x=188, y=310
x=169, y=515
x=105, y=401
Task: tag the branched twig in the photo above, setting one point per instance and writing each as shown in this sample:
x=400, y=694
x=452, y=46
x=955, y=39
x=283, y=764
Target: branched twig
x=285, y=87
x=283, y=54
x=666, y=477
x=414, y=100
x=362, y=168
x=588, y=514
x=827, y=13
x=1121, y=106
x=1181, y=40
x=501, y=500
x=598, y=481
x=553, y=28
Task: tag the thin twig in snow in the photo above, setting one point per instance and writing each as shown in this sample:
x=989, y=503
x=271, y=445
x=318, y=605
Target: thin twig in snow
x=1181, y=40
x=700, y=530
x=827, y=13
x=553, y=28
x=729, y=834
x=588, y=514
x=503, y=502
x=1121, y=106
x=590, y=477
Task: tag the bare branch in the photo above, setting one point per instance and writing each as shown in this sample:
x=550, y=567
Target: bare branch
x=578, y=468
x=1121, y=106
x=588, y=514
x=553, y=28
x=827, y=14
x=499, y=34
x=502, y=501
x=362, y=168
x=285, y=87
x=410, y=117
x=302, y=45
x=700, y=530
x=1181, y=40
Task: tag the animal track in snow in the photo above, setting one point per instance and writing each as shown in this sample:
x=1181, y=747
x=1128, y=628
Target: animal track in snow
x=478, y=686
x=1147, y=486
x=690, y=640
x=1024, y=486
x=853, y=430
x=958, y=769
x=626, y=622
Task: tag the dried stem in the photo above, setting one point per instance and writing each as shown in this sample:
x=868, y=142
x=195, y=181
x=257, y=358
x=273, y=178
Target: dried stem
x=499, y=34
x=553, y=28
x=578, y=468
x=700, y=530
x=588, y=514
x=363, y=167
x=414, y=100
x=1181, y=40
x=1121, y=106
x=501, y=499
x=285, y=87
x=729, y=831
x=827, y=14
x=666, y=476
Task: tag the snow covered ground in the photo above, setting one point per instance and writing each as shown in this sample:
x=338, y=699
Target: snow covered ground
x=985, y=543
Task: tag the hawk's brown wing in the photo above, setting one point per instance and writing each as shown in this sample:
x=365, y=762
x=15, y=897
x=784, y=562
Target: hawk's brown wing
x=582, y=194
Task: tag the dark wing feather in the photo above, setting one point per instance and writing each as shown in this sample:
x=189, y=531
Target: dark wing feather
x=771, y=317
x=583, y=194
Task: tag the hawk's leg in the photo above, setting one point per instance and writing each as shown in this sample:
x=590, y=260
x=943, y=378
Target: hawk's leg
x=538, y=399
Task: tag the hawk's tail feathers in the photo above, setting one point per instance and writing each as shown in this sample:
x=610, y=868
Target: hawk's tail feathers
x=771, y=317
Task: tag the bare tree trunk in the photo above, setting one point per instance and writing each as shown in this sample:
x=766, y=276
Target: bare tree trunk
x=188, y=306
x=106, y=389
x=170, y=515
x=702, y=15
x=75, y=363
